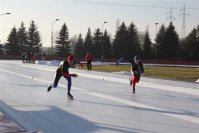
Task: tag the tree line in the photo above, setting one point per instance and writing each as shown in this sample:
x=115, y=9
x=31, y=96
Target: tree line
x=22, y=40
x=127, y=42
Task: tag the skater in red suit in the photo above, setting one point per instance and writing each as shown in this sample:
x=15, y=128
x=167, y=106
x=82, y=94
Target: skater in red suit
x=136, y=70
x=63, y=70
x=89, y=59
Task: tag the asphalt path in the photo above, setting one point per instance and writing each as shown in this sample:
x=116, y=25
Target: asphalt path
x=103, y=103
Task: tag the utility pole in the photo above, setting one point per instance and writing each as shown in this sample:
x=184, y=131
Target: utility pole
x=170, y=17
x=184, y=14
x=156, y=43
x=52, y=36
x=103, y=41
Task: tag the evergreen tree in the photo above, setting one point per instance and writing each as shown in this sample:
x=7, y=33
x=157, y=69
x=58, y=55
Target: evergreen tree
x=63, y=47
x=171, y=42
x=147, y=49
x=73, y=42
x=1, y=48
x=88, y=43
x=197, y=34
x=133, y=46
x=159, y=42
x=181, y=53
x=97, y=43
x=191, y=47
x=22, y=39
x=106, y=45
x=11, y=47
x=79, y=49
x=120, y=42
x=34, y=41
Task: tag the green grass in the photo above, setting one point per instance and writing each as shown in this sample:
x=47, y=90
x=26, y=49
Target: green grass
x=175, y=73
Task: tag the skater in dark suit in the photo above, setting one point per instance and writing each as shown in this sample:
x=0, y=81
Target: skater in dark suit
x=136, y=69
x=63, y=70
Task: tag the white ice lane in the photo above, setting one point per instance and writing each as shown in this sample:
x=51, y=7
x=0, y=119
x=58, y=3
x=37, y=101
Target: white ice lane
x=184, y=90
x=115, y=99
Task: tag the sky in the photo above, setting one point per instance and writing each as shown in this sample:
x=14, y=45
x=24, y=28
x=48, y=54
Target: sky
x=79, y=15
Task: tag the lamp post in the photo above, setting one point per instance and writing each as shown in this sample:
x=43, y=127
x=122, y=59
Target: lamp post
x=52, y=36
x=103, y=40
x=2, y=15
x=5, y=14
x=156, y=43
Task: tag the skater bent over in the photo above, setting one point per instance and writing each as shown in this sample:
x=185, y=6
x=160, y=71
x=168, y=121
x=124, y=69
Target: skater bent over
x=136, y=70
x=62, y=70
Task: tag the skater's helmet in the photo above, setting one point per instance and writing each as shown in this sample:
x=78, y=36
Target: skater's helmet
x=137, y=58
x=70, y=58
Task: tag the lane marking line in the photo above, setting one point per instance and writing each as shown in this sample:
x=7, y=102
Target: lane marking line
x=119, y=100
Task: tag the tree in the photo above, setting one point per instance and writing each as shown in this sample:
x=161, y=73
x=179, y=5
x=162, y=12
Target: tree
x=106, y=45
x=159, y=40
x=147, y=49
x=171, y=42
x=88, y=43
x=1, y=48
x=197, y=34
x=11, y=47
x=133, y=46
x=63, y=47
x=22, y=39
x=34, y=42
x=73, y=42
x=97, y=43
x=120, y=42
x=191, y=45
x=79, y=48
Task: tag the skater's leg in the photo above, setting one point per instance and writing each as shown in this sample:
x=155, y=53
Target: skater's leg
x=55, y=84
x=134, y=80
x=87, y=65
x=90, y=65
x=138, y=78
x=69, y=79
x=69, y=83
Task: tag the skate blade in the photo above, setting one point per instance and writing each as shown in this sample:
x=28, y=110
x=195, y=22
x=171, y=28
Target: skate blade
x=70, y=98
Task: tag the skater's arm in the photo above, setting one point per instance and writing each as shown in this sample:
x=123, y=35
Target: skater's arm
x=122, y=59
x=142, y=68
x=70, y=75
x=77, y=62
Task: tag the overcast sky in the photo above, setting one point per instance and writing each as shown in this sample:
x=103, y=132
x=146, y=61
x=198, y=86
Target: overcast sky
x=79, y=15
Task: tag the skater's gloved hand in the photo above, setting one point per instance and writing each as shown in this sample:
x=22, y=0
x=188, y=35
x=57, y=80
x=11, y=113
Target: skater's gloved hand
x=74, y=75
x=140, y=72
x=135, y=72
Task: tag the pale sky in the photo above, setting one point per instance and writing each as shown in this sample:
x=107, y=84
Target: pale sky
x=79, y=15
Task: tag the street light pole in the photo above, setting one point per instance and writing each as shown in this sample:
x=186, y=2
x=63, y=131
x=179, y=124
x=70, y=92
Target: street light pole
x=5, y=14
x=156, y=43
x=2, y=15
x=103, y=40
x=52, y=36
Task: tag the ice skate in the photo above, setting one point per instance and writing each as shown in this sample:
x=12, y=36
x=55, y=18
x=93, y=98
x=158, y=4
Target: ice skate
x=70, y=97
x=49, y=88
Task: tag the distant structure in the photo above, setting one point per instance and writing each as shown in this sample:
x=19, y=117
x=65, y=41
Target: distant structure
x=117, y=24
x=170, y=17
x=184, y=14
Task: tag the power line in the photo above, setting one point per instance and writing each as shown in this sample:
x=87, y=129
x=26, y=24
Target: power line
x=118, y=4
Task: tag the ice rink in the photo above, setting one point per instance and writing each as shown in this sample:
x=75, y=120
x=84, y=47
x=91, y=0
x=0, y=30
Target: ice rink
x=103, y=103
